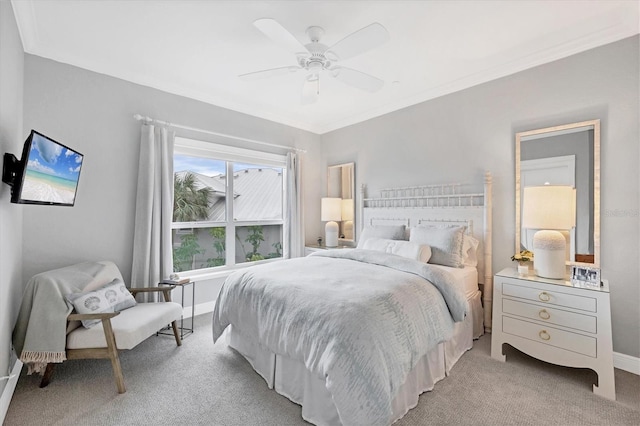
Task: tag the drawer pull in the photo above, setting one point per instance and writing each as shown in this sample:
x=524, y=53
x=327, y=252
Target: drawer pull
x=544, y=296
x=544, y=335
x=544, y=314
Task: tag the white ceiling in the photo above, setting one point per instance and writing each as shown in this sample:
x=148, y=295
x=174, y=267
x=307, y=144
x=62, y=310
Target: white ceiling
x=198, y=48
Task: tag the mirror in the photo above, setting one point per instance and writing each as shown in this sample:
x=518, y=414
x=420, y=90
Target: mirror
x=564, y=155
x=341, y=184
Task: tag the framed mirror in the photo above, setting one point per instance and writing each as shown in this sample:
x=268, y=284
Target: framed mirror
x=567, y=155
x=341, y=184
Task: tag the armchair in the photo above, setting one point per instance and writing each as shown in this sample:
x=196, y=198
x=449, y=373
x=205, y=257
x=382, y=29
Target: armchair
x=116, y=331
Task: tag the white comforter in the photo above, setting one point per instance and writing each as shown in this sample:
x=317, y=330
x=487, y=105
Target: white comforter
x=358, y=319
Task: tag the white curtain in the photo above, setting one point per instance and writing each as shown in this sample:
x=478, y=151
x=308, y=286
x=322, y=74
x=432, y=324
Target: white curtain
x=152, y=254
x=293, y=233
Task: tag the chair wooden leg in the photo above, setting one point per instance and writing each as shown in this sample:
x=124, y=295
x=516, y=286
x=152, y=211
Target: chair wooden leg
x=176, y=333
x=48, y=375
x=113, y=355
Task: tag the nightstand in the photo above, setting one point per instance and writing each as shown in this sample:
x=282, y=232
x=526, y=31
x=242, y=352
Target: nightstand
x=556, y=322
x=184, y=331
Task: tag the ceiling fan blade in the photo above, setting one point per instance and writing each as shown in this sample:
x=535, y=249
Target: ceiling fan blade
x=357, y=79
x=310, y=90
x=280, y=35
x=256, y=75
x=360, y=41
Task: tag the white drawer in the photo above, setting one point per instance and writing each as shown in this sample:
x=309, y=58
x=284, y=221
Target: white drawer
x=550, y=315
x=550, y=336
x=551, y=297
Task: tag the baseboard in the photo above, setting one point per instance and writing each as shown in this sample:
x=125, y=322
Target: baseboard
x=627, y=363
x=201, y=308
x=7, y=394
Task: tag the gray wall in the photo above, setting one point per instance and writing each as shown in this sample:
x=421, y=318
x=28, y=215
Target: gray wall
x=11, y=139
x=93, y=114
x=455, y=138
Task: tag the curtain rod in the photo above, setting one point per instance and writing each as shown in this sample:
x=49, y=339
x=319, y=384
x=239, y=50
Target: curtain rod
x=139, y=117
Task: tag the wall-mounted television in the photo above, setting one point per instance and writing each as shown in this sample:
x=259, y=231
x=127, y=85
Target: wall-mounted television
x=47, y=173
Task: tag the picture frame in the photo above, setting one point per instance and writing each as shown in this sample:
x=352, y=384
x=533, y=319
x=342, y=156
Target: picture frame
x=585, y=276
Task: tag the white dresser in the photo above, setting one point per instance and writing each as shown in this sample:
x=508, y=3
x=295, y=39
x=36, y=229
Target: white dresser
x=556, y=322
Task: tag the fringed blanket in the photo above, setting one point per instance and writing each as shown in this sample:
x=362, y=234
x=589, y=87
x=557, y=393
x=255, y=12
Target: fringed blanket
x=39, y=336
x=358, y=319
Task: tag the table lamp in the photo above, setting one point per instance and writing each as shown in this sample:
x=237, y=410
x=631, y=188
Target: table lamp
x=550, y=209
x=330, y=211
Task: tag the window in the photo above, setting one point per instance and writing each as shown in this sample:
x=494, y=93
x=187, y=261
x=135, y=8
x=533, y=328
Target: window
x=228, y=206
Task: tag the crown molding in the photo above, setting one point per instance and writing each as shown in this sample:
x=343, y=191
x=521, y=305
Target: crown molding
x=25, y=14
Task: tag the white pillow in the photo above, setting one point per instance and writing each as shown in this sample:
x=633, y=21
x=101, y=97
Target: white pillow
x=393, y=232
x=469, y=250
x=113, y=297
x=446, y=243
x=421, y=252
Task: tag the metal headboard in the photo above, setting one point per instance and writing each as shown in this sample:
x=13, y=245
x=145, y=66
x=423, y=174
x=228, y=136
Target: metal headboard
x=442, y=205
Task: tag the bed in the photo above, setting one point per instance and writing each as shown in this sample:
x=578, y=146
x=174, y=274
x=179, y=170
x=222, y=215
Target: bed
x=360, y=348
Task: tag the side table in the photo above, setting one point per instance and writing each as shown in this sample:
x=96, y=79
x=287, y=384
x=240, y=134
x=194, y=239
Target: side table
x=556, y=321
x=183, y=330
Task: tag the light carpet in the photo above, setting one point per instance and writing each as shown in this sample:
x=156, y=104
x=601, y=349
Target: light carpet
x=203, y=384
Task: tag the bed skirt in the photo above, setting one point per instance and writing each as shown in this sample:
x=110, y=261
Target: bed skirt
x=290, y=378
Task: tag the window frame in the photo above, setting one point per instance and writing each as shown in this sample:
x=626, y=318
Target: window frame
x=231, y=155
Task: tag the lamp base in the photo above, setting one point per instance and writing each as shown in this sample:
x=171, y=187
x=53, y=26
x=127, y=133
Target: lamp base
x=549, y=255
x=331, y=234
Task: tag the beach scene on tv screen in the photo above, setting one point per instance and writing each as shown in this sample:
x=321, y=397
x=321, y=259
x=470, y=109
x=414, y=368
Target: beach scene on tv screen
x=51, y=173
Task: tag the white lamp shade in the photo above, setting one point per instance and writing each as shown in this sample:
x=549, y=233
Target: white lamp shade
x=347, y=209
x=549, y=207
x=330, y=209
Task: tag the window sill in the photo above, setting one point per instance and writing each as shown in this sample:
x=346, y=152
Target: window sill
x=223, y=273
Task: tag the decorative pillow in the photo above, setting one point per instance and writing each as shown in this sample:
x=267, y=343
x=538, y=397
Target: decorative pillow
x=446, y=243
x=119, y=295
x=113, y=297
x=92, y=302
x=394, y=232
x=406, y=249
x=469, y=250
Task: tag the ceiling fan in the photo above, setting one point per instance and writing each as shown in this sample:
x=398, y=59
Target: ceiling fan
x=316, y=58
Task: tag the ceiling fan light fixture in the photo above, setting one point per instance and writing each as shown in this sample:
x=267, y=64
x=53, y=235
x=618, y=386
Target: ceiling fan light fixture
x=315, y=66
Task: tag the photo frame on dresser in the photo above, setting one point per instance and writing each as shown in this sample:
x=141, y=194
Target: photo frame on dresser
x=585, y=276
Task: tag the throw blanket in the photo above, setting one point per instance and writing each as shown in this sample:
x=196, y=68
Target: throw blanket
x=39, y=336
x=358, y=319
